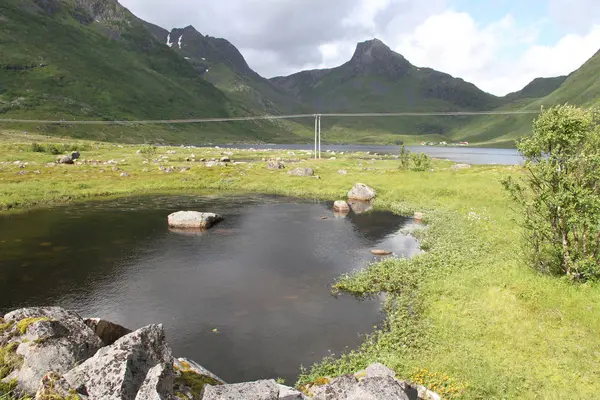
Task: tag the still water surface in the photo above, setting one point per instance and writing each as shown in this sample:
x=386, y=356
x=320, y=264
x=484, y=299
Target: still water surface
x=470, y=155
x=260, y=279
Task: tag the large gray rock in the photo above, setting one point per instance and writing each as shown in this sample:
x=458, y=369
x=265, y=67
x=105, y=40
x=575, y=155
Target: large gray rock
x=362, y=192
x=274, y=164
x=302, y=172
x=185, y=364
x=288, y=393
x=75, y=155
x=158, y=384
x=259, y=390
x=65, y=160
x=51, y=340
x=193, y=220
x=376, y=388
x=119, y=371
x=54, y=386
x=107, y=331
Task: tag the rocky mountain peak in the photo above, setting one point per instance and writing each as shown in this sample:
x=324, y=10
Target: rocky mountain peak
x=375, y=57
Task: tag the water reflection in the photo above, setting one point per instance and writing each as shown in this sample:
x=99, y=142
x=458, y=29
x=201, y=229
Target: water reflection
x=248, y=299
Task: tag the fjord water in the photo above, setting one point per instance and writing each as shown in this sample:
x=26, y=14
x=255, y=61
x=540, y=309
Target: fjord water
x=248, y=299
x=469, y=155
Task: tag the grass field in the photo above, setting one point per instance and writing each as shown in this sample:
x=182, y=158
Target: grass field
x=467, y=318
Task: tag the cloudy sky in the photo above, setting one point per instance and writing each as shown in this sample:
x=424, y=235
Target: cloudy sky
x=500, y=45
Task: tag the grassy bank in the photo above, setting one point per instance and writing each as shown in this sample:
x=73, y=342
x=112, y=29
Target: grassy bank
x=467, y=317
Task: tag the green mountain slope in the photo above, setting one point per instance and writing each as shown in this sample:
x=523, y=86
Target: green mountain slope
x=93, y=59
x=377, y=79
x=537, y=88
x=581, y=87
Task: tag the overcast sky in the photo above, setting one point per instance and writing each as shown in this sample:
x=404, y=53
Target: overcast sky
x=500, y=45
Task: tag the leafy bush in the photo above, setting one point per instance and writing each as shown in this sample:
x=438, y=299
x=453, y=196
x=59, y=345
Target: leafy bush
x=148, y=150
x=412, y=161
x=559, y=195
x=420, y=162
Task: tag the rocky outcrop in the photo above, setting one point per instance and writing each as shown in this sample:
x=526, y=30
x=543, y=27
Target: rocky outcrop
x=54, y=354
x=259, y=390
x=376, y=382
x=302, y=172
x=48, y=339
x=119, y=371
x=193, y=220
x=362, y=192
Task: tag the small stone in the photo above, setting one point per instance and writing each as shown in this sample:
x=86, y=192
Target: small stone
x=460, y=166
x=225, y=159
x=343, y=172
x=302, y=172
x=124, y=174
x=379, y=252
x=418, y=216
x=341, y=206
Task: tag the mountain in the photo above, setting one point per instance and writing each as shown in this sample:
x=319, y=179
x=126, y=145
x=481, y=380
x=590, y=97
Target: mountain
x=93, y=59
x=539, y=87
x=221, y=63
x=377, y=79
x=581, y=88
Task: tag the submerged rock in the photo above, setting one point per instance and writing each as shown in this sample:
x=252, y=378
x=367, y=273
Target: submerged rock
x=379, y=252
x=49, y=339
x=362, y=192
x=193, y=220
x=140, y=360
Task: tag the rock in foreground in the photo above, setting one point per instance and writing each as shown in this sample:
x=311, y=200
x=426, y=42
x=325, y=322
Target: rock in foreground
x=45, y=339
x=193, y=220
x=362, y=192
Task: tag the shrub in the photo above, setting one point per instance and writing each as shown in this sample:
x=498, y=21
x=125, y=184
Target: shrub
x=559, y=195
x=420, y=162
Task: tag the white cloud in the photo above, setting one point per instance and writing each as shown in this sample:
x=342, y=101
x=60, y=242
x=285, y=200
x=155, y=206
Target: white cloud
x=499, y=57
x=279, y=37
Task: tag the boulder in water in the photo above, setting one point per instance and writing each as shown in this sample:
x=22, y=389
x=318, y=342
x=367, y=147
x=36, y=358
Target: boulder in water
x=193, y=220
x=341, y=206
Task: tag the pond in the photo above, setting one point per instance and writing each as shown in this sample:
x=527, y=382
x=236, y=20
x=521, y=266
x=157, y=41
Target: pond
x=247, y=299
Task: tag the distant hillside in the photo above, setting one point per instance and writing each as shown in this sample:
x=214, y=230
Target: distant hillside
x=378, y=79
x=581, y=87
x=93, y=59
x=539, y=87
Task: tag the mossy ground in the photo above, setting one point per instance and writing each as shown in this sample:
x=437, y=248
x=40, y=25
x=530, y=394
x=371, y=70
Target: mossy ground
x=468, y=316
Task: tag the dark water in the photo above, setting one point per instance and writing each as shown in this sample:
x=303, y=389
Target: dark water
x=470, y=155
x=261, y=278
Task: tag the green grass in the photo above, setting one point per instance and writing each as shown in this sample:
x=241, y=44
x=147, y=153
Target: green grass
x=468, y=309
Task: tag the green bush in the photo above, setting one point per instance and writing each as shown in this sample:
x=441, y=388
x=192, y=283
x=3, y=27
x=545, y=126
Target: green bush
x=420, y=162
x=56, y=149
x=559, y=195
